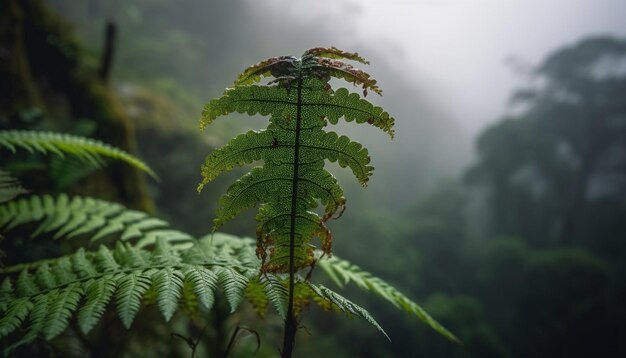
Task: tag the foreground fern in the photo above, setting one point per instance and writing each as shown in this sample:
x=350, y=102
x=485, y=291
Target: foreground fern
x=49, y=291
x=149, y=263
x=85, y=149
x=300, y=102
x=170, y=270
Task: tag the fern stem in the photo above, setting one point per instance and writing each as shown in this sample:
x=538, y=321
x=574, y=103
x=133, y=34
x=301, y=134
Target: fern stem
x=290, y=320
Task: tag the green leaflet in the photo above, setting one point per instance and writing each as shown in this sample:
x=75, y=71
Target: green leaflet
x=79, y=216
x=346, y=305
x=131, y=288
x=343, y=272
x=97, y=294
x=9, y=187
x=42, y=296
x=292, y=180
x=85, y=149
x=319, y=106
x=234, y=285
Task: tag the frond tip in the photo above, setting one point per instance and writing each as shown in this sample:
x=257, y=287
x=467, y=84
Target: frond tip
x=86, y=149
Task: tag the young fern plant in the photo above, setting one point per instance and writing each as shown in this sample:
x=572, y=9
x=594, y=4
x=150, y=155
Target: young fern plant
x=292, y=181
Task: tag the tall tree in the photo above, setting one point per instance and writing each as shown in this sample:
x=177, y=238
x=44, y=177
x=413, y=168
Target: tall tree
x=565, y=145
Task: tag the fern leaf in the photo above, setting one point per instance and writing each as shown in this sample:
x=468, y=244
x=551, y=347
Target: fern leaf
x=9, y=187
x=346, y=305
x=130, y=291
x=78, y=216
x=204, y=283
x=82, y=266
x=44, y=276
x=233, y=283
x=342, y=272
x=38, y=314
x=86, y=149
x=61, y=307
x=43, y=295
x=98, y=294
x=26, y=285
x=277, y=293
x=318, y=106
x=168, y=284
x=274, y=101
x=105, y=260
x=348, y=105
x=14, y=316
x=6, y=293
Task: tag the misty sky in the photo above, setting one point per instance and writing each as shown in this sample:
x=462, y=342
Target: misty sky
x=472, y=53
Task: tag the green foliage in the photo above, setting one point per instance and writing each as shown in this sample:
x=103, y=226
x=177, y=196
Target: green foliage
x=85, y=149
x=342, y=272
x=147, y=256
x=37, y=299
x=84, y=217
x=300, y=103
x=9, y=187
x=49, y=291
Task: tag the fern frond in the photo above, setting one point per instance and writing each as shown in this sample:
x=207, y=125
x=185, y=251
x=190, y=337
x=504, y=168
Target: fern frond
x=276, y=291
x=168, y=284
x=79, y=216
x=253, y=146
x=319, y=106
x=43, y=295
x=292, y=180
x=9, y=187
x=343, y=272
x=233, y=284
x=345, y=305
x=98, y=293
x=131, y=289
x=14, y=315
x=204, y=283
x=86, y=149
x=61, y=307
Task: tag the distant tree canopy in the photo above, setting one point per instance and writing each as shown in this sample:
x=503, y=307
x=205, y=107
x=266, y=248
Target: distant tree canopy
x=564, y=149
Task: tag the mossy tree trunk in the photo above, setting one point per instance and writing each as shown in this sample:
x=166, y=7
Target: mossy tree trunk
x=42, y=66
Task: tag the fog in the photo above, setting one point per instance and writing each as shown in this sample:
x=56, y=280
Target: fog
x=505, y=222
x=465, y=55
x=458, y=62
